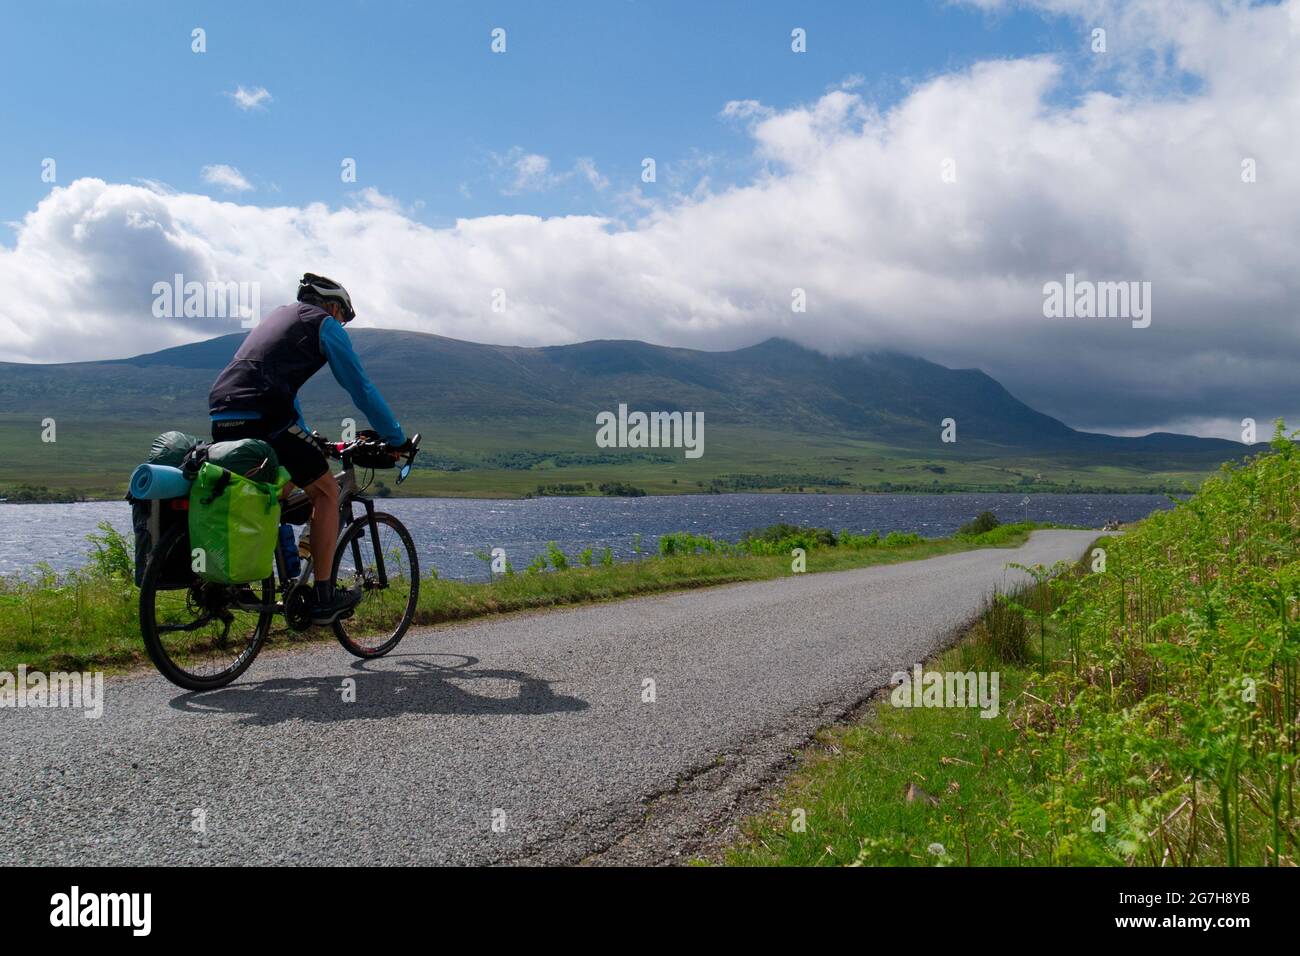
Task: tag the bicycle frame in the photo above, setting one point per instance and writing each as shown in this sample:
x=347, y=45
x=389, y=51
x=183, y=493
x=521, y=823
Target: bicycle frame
x=349, y=494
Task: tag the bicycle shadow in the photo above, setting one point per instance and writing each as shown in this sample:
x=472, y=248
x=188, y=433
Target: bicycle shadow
x=420, y=686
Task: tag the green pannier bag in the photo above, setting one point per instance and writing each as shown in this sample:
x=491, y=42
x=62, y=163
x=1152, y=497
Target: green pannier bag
x=236, y=523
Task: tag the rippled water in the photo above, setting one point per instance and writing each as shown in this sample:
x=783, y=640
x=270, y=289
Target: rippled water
x=448, y=531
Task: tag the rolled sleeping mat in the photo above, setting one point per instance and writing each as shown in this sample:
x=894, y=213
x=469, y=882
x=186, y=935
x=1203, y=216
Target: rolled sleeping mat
x=153, y=482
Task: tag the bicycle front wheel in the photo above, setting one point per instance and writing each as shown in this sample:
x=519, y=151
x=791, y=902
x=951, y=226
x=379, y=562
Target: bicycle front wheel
x=200, y=635
x=387, y=573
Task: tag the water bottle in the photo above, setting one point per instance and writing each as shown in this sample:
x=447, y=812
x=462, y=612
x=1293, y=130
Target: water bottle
x=289, y=548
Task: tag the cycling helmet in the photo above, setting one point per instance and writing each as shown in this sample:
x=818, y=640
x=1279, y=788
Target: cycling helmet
x=314, y=288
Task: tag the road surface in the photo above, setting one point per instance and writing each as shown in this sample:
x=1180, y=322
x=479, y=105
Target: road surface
x=523, y=738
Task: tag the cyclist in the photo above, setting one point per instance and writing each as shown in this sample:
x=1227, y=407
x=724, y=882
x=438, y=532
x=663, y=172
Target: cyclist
x=256, y=396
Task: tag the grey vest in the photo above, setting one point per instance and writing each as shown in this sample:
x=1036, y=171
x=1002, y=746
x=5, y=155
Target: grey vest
x=274, y=361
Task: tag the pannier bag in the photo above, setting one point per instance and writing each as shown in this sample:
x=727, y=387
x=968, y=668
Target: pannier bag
x=150, y=520
x=234, y=519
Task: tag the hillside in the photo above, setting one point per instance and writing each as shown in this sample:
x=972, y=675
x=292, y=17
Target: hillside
x=504, y=419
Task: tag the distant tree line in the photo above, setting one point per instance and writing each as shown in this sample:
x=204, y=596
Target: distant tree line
x=32, y=494
x=620, y=489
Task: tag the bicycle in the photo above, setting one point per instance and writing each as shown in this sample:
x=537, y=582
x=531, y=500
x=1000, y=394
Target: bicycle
x=202, y=636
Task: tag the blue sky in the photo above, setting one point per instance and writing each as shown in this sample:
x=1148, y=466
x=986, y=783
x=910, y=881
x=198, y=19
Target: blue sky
x=433, y=118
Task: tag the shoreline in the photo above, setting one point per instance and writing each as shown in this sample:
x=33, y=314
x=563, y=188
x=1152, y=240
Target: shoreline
x=505, y=496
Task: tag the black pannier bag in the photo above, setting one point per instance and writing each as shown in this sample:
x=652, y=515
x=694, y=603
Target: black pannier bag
x=150, y=520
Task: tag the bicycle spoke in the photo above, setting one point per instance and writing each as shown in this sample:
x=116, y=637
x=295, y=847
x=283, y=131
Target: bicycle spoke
x=192, y=626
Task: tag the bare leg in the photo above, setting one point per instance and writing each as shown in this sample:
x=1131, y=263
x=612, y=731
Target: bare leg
x=324, y=494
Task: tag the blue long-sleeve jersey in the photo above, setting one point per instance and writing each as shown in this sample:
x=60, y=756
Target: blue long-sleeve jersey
x=347, y=370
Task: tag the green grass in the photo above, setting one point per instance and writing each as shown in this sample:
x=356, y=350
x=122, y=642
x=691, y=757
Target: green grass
x=89, y=618
x=1149, y=712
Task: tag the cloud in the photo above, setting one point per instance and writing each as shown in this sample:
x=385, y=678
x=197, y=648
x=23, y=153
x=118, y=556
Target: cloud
x=251, y=99
x=528, y=172
x=746, y=109
x=586, y=168
x=1129, y=182
x=532, y=172
x=227, y=177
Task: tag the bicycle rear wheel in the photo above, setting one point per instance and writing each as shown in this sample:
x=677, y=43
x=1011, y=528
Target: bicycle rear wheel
x=388, y=598
x=197, y=635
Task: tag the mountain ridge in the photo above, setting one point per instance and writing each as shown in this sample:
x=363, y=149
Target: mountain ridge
x=774, y=407
x=884, y=392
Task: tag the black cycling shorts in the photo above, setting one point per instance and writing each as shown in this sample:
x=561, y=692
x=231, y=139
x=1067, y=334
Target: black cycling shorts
x=296, y=452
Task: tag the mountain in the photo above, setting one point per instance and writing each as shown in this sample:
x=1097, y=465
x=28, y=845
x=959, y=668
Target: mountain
x=483, y=402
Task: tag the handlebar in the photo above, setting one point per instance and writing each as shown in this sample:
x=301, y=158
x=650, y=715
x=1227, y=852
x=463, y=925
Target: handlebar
x=369, y=451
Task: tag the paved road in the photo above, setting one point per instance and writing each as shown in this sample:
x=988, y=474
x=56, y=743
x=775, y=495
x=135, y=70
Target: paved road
x=533, y=721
